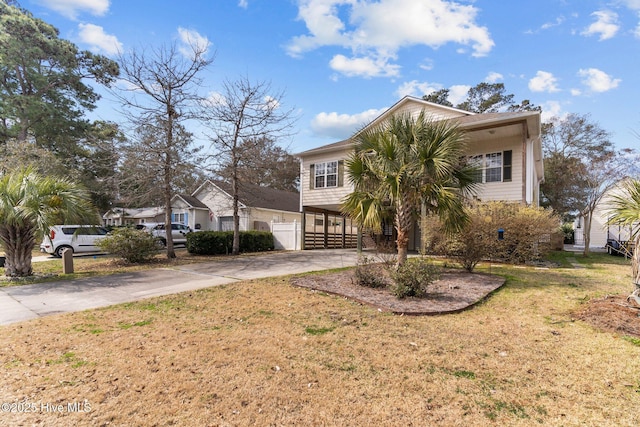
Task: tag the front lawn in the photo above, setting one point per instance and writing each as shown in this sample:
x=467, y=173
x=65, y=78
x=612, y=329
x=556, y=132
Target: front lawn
x=266, y=353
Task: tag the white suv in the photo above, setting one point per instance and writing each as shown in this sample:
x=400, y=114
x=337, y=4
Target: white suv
x=78, y=238
x=178, y=231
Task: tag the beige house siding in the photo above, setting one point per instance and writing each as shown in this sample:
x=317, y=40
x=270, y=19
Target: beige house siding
x=322, y=196
x=221, y=205
x=504, y=191
x=261, y=218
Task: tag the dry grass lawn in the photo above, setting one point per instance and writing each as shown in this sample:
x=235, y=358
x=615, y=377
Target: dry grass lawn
x=267, y=353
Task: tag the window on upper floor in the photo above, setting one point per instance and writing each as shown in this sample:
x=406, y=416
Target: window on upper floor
x=492, y=167
x=326, y=175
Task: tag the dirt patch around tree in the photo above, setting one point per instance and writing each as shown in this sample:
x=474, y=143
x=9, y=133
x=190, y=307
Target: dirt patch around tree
x=453, y=292
x=612, y=313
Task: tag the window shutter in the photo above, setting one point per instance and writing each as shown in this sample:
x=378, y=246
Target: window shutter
x=340, y=173
x=506, y=165
x=312, y=176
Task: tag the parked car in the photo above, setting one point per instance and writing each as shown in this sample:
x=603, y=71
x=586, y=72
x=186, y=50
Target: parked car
x=78, y=238
x=178, y=231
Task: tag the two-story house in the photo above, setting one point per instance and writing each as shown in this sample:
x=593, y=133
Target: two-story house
x=506, y=146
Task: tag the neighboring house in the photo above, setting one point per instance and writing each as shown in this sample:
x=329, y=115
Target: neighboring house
x=117, y=217
x=210, y=207
x=154, y=214
x=601, y=232
x=506, y=146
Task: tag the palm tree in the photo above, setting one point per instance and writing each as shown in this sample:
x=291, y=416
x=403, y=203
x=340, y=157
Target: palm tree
x=625, y=210
x=404, y=164
x=29, y=203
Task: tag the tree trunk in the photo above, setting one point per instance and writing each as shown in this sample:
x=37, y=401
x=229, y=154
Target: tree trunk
x=635, y=262
x=587, y=233
x=235, y=248
x=18, y=243
x=404, y=221
x=168, y=175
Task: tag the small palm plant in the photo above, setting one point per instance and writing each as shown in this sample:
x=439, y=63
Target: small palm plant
x=29, y=204
x=625, y=211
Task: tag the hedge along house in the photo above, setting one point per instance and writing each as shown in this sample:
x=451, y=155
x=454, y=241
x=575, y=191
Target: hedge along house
x=506, y=147
x=210, y=207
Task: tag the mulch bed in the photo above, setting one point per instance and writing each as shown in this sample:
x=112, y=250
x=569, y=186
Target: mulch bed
x=454, y=292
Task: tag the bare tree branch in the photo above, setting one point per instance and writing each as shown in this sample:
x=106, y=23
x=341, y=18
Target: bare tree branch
x=243, y=115
x=162, y=93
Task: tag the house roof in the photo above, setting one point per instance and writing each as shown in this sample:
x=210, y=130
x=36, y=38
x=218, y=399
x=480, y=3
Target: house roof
x=258, y=196
x=192, y=201
x=122, y=212
x=466, y=120
x=149, y=212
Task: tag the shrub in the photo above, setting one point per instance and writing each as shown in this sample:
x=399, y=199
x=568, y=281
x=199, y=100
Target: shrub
x=568, y=233
x=132, y=245
x=412, y=278
x=221, y=242
x=526, y=234
x=369, y=274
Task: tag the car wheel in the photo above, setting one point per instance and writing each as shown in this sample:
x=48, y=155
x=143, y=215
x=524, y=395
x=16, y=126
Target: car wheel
x=60, y=249
x=163, y=243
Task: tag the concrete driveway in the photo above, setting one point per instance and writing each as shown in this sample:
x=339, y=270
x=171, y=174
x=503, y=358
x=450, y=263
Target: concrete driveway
x=19, y=303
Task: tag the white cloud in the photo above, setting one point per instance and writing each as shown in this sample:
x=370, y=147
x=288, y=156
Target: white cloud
x=271, y=103
x=493, y=77
x=551, y=109
x=213, y=99
x=597, y=80
x=632, y=4
x=377, y=30
x=364, y=66
x=559, y=20
x=543, y=82
x=427, y=64
x=71, y=8
x=606, y=25
x=576, y=92
x=243, y=4
x=416, y=88
x=100, y=41
x=342, y=126
x=458, y=93
x=192, y=39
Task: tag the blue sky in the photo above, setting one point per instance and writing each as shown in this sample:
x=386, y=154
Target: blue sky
x=342, y=62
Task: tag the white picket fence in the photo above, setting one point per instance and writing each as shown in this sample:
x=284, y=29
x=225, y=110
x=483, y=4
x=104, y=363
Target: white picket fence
x=287, y=235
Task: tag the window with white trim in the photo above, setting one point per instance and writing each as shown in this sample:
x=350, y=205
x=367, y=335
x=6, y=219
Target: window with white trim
x=492, y=167
x=326, y=174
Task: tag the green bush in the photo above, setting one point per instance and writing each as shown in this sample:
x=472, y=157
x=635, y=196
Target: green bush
x=221, y=242
x=369, y=274
x=132, y=245
x=412, y=278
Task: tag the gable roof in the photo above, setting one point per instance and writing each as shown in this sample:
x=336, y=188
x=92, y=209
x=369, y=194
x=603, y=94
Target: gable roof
x=192, y=202
x=257, y=196
x=468, y=121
